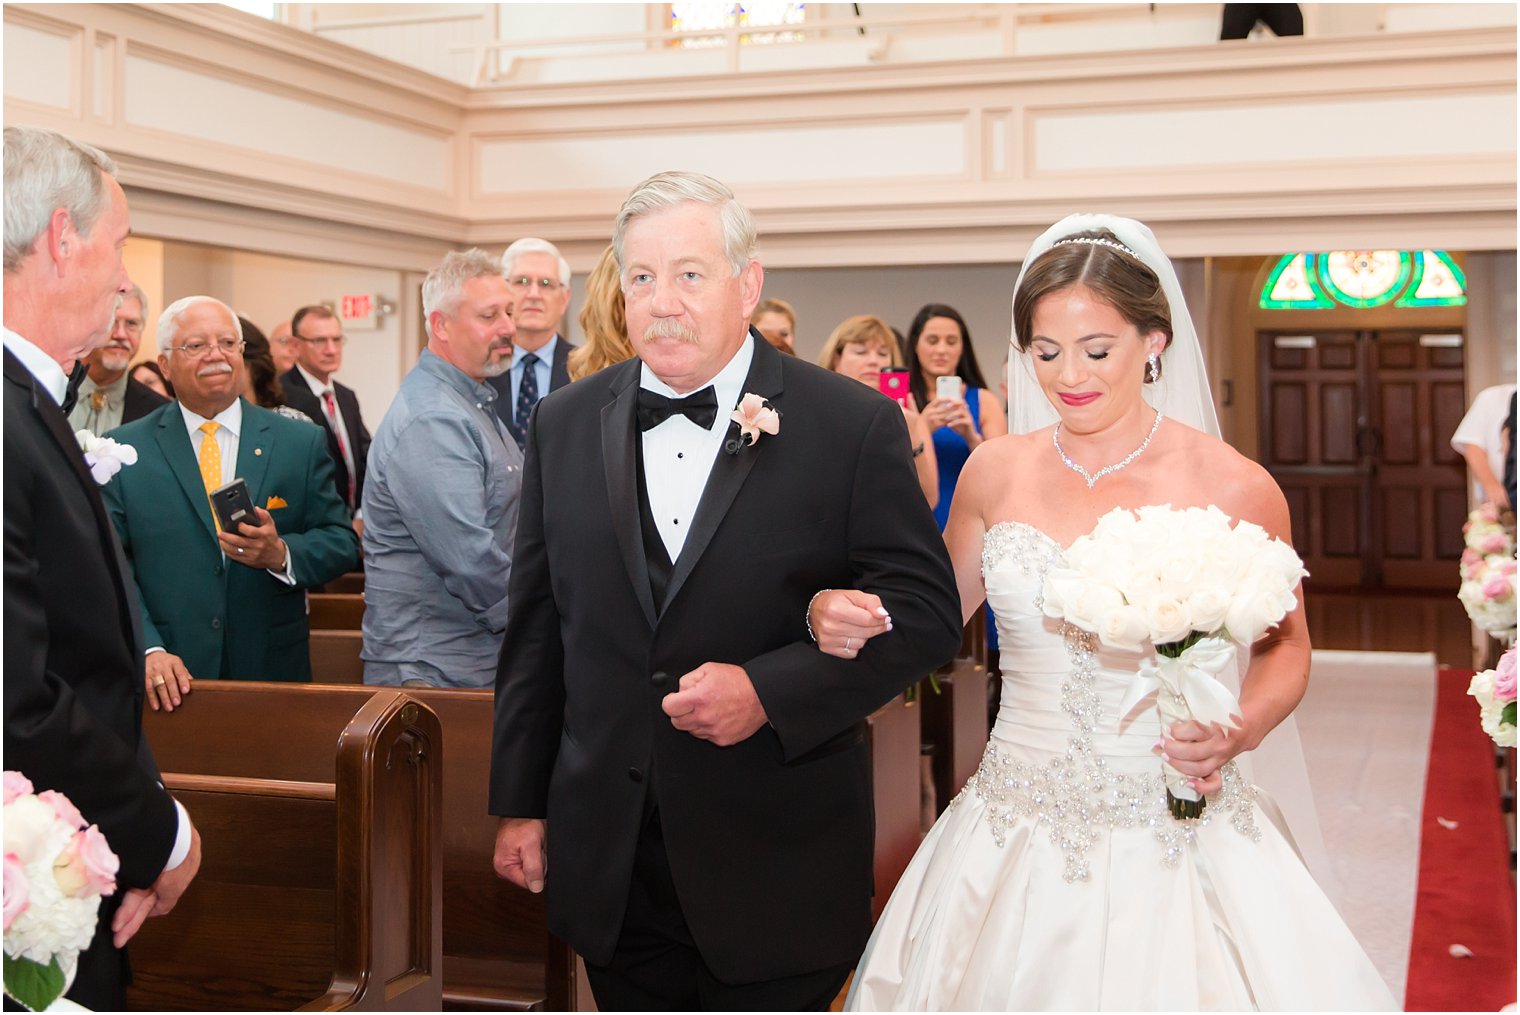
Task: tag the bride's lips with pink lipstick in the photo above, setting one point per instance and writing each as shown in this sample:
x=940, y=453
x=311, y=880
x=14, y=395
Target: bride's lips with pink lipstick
x=1080, y=398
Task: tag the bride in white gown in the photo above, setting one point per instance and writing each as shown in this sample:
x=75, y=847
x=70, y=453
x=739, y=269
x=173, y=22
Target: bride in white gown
x=1057, y=879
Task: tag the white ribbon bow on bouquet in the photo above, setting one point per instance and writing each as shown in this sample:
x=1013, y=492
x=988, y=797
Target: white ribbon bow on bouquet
x=1187, y=687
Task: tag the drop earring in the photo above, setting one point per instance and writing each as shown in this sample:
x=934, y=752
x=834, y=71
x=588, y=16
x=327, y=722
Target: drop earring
x=1153, y=363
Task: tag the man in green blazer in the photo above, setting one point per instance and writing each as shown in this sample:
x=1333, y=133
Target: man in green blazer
x=221, y=604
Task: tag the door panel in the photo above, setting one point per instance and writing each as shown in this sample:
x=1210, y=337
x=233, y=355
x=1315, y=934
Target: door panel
x=1354, y=429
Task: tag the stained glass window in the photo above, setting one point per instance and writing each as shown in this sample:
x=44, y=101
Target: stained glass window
x=705, y=15
x=1364, y=278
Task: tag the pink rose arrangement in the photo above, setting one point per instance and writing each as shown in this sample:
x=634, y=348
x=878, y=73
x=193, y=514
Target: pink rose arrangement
x=1488, y=572
x=57, y=868
x=1494, y=690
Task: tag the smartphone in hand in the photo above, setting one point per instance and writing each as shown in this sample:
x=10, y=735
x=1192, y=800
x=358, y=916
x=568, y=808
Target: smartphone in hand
x=233, y=505
x=893, y=383
x=948, y=387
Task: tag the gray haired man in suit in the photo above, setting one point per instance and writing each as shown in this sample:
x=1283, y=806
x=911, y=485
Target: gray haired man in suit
x=539, y=279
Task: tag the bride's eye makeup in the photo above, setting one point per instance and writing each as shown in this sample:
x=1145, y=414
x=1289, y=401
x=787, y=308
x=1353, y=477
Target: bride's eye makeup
x=1103, y=354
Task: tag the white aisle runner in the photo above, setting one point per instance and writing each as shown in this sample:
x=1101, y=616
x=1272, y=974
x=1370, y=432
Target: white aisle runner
x=1365, y=724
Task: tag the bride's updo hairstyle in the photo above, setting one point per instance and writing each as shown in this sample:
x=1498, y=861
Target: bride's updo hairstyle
x=1098, y=262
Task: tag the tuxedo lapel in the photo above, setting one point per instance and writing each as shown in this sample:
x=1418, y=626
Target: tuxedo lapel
x=729, y=470
x=620, y=463
x=174, y=442
x=254, y=449
x=57, y=426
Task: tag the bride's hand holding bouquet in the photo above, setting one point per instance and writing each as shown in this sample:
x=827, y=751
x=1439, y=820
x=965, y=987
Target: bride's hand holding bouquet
x=1194, y=587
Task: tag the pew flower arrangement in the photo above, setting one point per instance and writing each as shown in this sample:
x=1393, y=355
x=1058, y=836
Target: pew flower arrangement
x=1494, y=691
x=1488, y=573
x=104, y=456
x=1194, y=587
x=57, y=867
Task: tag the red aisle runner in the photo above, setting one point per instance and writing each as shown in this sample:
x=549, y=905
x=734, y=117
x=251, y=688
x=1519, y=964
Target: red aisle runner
x=1466, y=895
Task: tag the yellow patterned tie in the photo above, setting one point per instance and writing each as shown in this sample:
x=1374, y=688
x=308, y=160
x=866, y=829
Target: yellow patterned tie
x=211, y=461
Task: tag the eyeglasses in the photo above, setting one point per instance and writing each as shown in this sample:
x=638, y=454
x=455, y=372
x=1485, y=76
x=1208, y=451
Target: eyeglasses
x=337, y=340
x=522, y=283
x=196, y=347
x=286, y=340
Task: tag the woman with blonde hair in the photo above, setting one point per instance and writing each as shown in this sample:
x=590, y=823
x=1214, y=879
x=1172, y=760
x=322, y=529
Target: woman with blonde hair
x=777, y=323
x=602, y=321
x=862, y=347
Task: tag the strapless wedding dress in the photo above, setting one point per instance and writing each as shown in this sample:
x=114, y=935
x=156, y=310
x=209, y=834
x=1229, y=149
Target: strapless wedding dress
x=1056, y=880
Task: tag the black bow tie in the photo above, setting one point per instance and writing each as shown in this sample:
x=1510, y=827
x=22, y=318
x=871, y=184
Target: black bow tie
x=71, y=393
x=701, y=407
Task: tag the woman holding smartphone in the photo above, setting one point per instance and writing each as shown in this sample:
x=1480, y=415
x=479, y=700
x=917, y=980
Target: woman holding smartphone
x=864, y=347
x=946, y=380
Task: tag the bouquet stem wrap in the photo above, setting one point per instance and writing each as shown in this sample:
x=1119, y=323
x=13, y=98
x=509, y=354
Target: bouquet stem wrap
x=1184, y=680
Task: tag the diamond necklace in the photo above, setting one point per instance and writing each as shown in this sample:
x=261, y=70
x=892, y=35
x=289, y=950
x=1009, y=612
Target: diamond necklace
x=1092, y=480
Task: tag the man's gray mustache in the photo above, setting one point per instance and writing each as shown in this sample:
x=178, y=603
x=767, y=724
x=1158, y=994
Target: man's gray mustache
x=214, y=368
x=667, y=327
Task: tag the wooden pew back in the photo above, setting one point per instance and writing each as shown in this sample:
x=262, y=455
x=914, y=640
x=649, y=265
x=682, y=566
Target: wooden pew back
x=321, y=883
x=497, y=953
x=335, y=611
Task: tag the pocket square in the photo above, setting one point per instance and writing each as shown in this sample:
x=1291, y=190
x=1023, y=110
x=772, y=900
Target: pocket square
x=275, y=502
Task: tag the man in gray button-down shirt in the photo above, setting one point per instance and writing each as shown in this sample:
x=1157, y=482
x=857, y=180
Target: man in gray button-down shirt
x=440, y=499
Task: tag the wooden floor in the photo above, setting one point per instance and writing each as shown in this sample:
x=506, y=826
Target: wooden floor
x=1372, y=620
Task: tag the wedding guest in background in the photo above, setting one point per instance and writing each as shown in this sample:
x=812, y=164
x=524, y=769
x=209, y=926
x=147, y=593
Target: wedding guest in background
x=603, y=320
x=1480, y=440
x=540, y=282
x=151, y=375
x=440, y=507
x=261, y=379
x=108, y=396
x=939, y=345
x=220, y=604
x=777, y=321
x=862, y=347
x=283, y=348
x=310, y=387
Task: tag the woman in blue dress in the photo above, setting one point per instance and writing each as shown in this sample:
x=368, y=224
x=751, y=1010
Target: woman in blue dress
x=940, y=346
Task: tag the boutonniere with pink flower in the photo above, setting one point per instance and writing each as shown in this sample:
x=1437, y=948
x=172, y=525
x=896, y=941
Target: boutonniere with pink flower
x=104, y=456
x=753, y=417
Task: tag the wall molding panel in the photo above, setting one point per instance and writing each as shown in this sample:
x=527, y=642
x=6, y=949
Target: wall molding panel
x=236, y=131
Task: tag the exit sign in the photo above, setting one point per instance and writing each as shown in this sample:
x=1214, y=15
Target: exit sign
x=357, y=310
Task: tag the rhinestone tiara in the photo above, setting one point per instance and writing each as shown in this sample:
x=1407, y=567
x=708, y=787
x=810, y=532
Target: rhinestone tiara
x=1097, y=241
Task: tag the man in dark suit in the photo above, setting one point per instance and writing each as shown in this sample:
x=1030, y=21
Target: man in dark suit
x=108, y=397
x=539, y=279
x=309, y=387
x=219, y=604
x=73, y=661
x=659, y=700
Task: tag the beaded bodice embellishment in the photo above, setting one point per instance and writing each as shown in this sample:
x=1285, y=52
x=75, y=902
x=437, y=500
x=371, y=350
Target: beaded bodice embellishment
x=1077, y=794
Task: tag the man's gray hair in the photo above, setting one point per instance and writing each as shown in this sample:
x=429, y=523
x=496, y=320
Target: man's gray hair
x=443, y=289
x=141, y=298
x=534, y=245
x=168, y=321
x=667, y=190
x=45, y=171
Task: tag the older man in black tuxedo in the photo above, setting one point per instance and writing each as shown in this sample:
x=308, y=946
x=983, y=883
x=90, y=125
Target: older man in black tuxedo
x=73, y=653
x=702, y=766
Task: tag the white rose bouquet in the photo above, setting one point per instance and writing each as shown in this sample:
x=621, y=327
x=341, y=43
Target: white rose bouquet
x=57, y=868
x=1488, y=572
x=1193, y=586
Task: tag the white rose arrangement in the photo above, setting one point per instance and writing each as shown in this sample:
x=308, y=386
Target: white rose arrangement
x=1193, y=586
x=104, y=456
x=1494, y=691
x=57, y=868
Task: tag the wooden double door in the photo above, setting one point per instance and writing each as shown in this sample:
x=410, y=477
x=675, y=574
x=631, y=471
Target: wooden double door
x=1356, y=428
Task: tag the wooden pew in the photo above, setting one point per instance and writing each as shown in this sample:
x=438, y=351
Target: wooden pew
x=321, y=885
x=955, y=719
x=894, y=735
x=497, y=952
x=335, y=657
x=351, y=582
x=335, y=611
